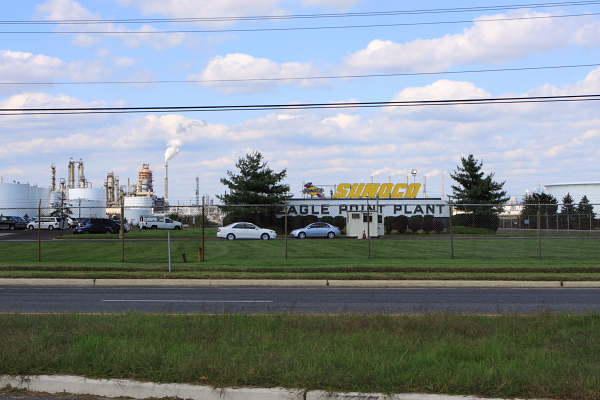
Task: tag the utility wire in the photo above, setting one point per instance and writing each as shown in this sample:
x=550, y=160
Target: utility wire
x=303, y=78
x=302, y=16
x=306, y=106
x=300, y=28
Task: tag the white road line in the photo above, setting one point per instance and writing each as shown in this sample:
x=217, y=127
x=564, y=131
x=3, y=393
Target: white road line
x=191, y=301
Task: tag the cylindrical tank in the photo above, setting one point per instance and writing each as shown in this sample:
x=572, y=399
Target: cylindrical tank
x=135, y=207
x=20, y=199
x=88, y=202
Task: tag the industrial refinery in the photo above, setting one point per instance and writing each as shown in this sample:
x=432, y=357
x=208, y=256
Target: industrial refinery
x=137, y=198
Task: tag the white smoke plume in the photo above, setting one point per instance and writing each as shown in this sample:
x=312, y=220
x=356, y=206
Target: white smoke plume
x=390, y=172
x=174, y=145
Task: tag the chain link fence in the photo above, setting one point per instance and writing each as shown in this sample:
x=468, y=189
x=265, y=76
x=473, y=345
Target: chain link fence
x=317, y=233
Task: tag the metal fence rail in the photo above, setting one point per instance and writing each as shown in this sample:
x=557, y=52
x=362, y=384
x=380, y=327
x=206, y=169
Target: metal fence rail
x=374, y=232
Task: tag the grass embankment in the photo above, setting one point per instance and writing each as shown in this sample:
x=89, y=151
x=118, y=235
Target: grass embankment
x=543, y=356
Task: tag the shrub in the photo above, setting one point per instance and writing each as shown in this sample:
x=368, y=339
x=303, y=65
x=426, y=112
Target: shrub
x=415, y=224
x=400, y=223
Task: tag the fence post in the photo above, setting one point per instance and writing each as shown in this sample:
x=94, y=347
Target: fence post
x=368, y=231
x=451, y=230
x=122, y=229
x=285, y=228
x=169, y=248
x=40, y=231
x=539, y=226
x=203, y=219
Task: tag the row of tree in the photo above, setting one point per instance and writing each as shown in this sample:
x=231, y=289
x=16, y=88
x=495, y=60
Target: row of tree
x=571, y=215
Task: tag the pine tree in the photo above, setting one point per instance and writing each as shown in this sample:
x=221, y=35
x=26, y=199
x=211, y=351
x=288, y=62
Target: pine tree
x=586, y=213
x=61, y=207
x=257, y=188
x=543, y=204
x=567, y=218
x=477, y=194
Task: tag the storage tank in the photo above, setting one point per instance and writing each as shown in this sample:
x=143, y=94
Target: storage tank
x=134, y=207
x=19, y=199
x=88, y=202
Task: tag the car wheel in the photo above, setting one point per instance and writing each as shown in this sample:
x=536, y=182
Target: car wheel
x=231, y=236
x=50, y=227
x=109, y=232
x=265, y=236
x=177, y=228
x=12, y=227
x=87, y=232
x=154, y=227
x=331, y=235
x=302, y=235
x=30, y=227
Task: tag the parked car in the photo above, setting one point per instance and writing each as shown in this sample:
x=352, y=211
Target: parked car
x=93, y=228
x=245, y=230
x=114, y=226
x=158, y=222
x=316, y=229
x=13, y=222
x=49, y=223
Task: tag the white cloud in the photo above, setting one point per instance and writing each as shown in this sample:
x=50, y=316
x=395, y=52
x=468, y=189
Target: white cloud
x=205, y=8
x=71, y=9
x=243, y=66
x=486, y=43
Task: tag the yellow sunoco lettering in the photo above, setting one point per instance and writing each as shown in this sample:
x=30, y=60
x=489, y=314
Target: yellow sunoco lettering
x=341, y=191
x=397, y=193
x=371, y=190
x=385, y=190
x=413, y=190
x=356, y=190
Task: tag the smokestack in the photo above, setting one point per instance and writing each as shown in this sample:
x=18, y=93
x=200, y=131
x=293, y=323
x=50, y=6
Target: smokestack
x=166, y=182
x=53, y=168
x=81, y=177
x=71, y=183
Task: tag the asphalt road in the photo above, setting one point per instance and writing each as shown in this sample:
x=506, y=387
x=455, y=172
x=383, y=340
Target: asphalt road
x=487, y=301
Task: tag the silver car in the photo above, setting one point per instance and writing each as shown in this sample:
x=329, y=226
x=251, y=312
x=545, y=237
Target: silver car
x=316, y=229
x=245, y=230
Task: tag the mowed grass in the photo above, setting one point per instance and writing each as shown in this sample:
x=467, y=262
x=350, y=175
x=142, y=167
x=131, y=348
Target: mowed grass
x=541, y=356
x=144, y=254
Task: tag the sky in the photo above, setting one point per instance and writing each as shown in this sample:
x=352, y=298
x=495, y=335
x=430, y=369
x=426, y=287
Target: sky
x=178, y=53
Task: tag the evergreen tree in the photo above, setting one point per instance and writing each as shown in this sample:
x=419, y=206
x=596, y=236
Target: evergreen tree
x=477, y=194
x=586, y=213
x=60, y=206
x=567, y=219
x=257, y=188
x=543, y=204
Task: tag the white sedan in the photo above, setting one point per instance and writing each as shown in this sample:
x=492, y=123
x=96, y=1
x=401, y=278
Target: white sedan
x=245, y=230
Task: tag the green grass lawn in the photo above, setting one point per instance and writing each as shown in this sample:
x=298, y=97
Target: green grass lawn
x=542, y=356
x=144, y=254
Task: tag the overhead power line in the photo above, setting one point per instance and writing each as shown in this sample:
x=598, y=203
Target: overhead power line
x=310, y=28
x=302, y=16
x=302, y=78
x=305, y=106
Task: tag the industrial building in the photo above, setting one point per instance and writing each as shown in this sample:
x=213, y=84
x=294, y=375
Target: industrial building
x=138, y=199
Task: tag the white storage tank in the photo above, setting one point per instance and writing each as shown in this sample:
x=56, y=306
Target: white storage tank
x=134, y=207
x=19, y=199
x=88, y=202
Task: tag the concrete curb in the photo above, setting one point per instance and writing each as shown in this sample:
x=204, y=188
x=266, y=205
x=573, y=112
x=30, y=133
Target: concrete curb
x=144, y=390
x=293, y=283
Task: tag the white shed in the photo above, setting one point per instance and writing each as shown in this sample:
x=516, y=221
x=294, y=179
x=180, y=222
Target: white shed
x=364, y=223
